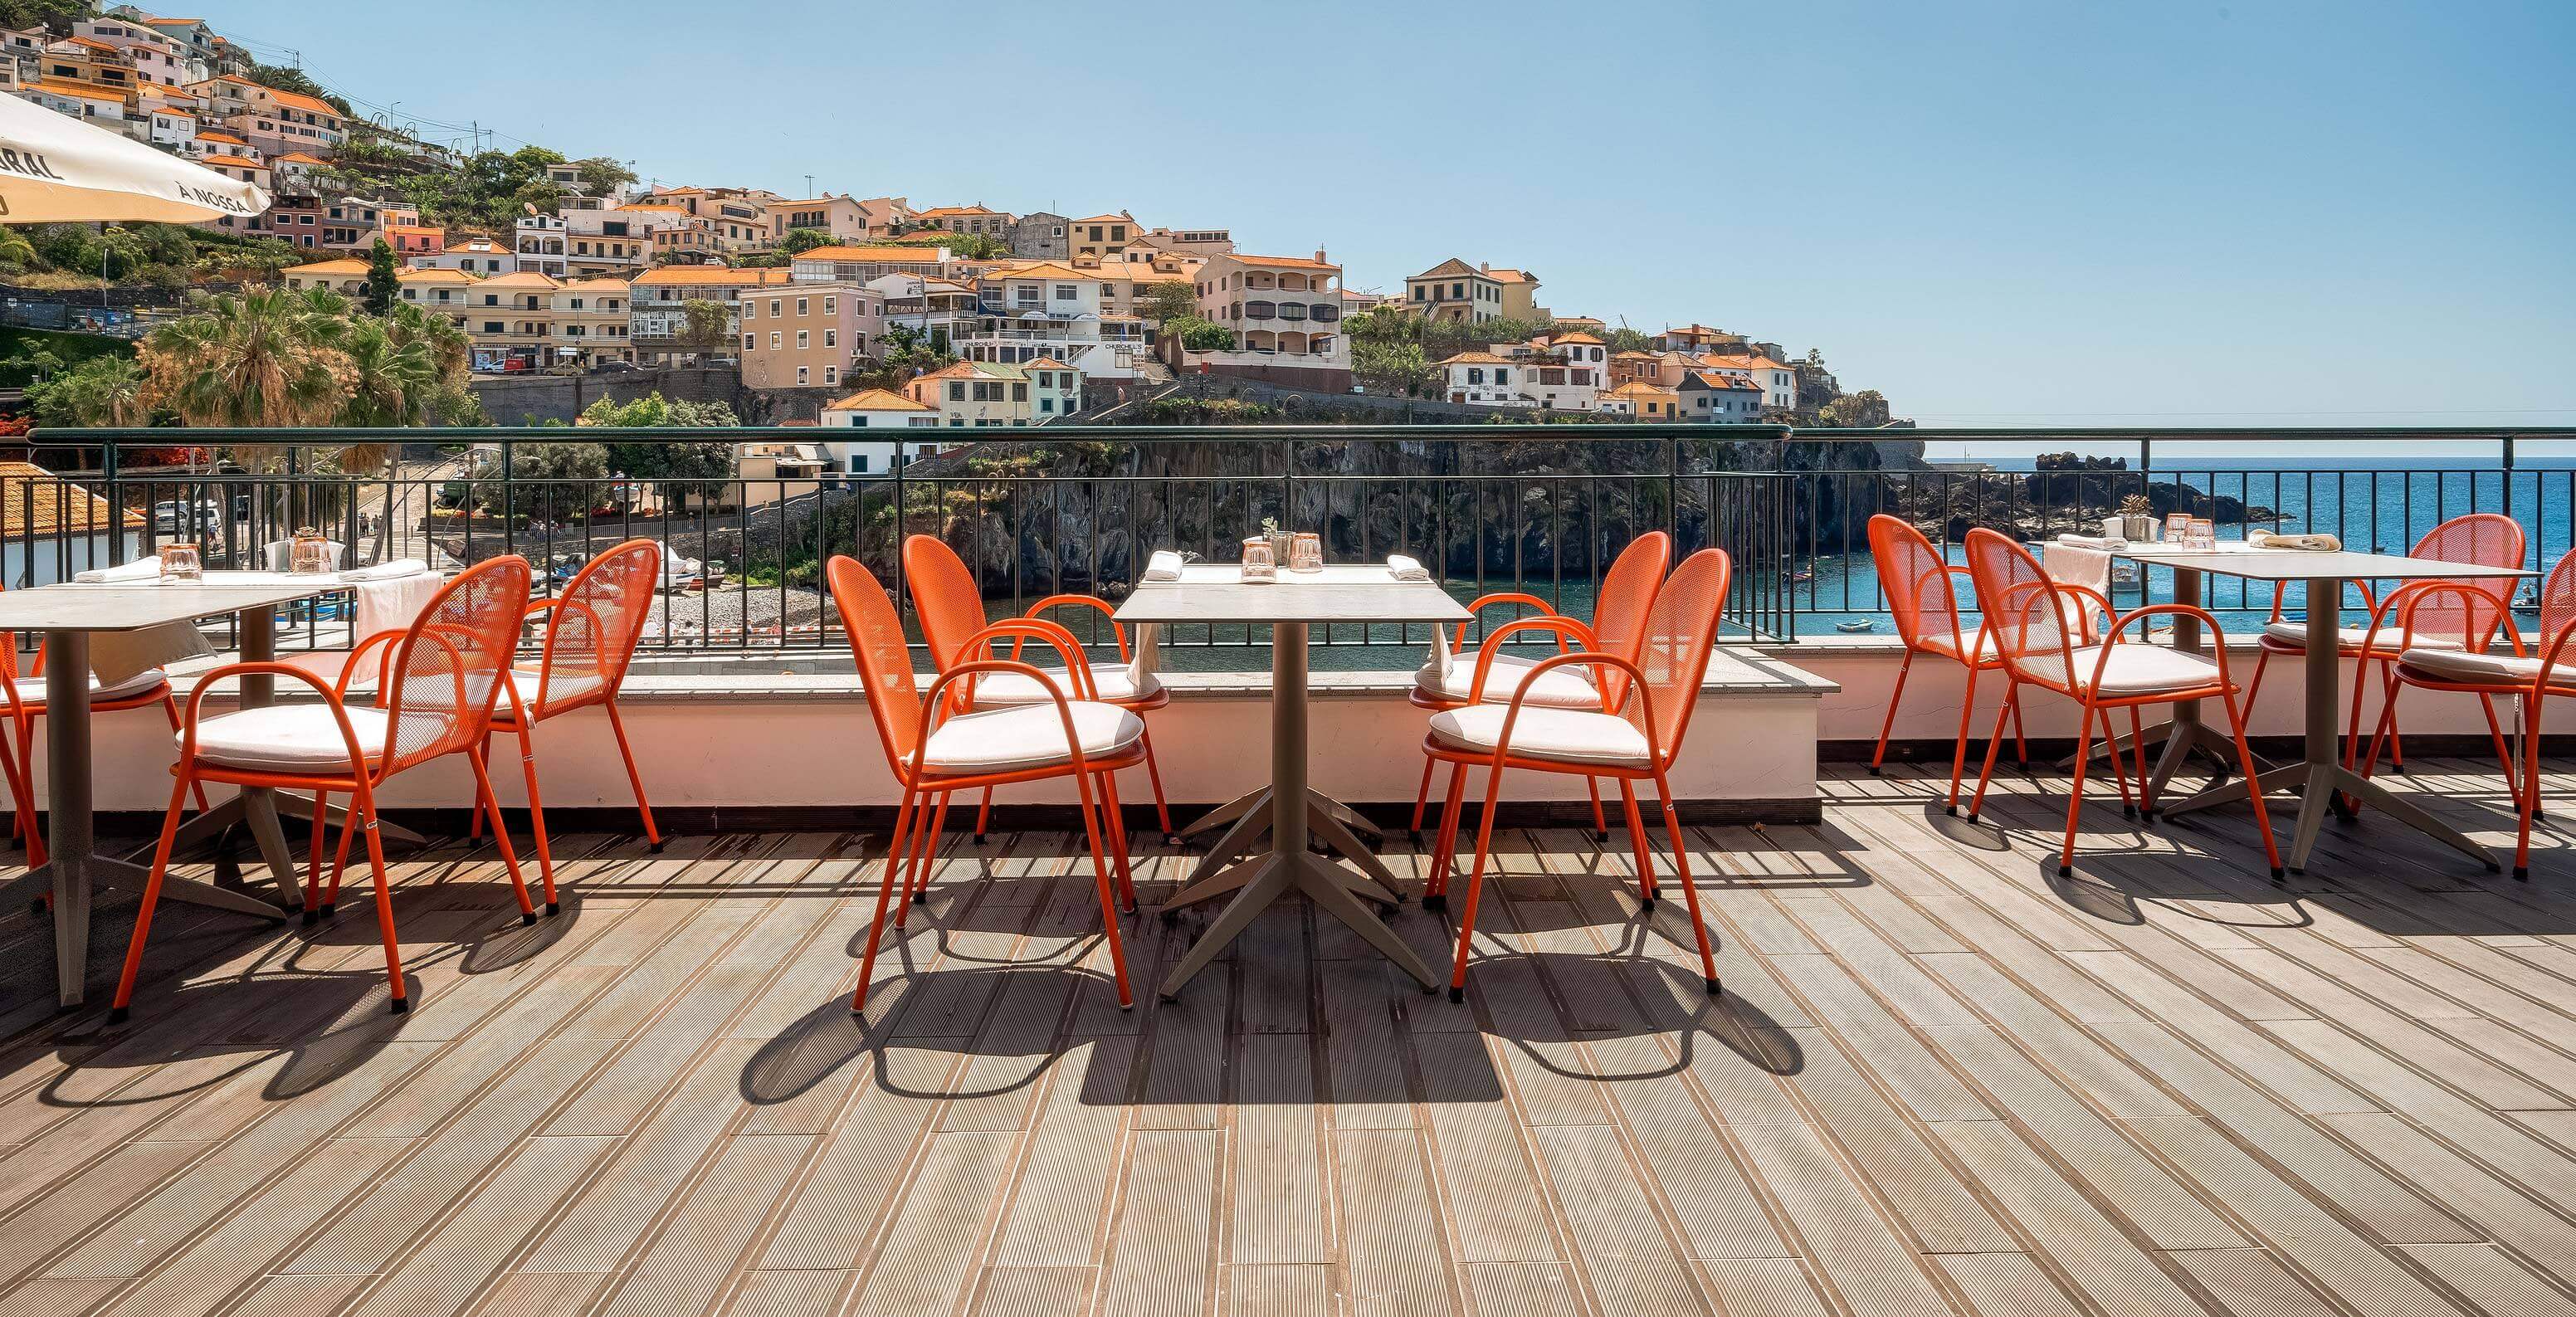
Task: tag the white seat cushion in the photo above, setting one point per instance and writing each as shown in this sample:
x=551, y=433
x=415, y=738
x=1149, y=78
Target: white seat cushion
x=564, y=688
x=289, y=738
x=2348, y=639
x=31, y=690
x=2501, y=667
x=1570, y=735
x=1568, y=687
x=1982, y=640
x=994, y=690
x=2135, y=669
x=1028, y=736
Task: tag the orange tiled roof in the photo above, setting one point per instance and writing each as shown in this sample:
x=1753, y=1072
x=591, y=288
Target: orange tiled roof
x=35, y=501
x=235, y=161
x=1576, y=338
x=1476, y=359
x=874, y=400
x=343, y=265
x=908, y=255
x=82, y=90
x=1287, y=262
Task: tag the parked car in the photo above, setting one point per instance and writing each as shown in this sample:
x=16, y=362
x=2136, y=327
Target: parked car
x=609, y=367
x=169, y=514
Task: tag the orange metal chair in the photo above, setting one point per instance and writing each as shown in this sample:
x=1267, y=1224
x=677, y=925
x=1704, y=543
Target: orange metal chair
x=2470, y=617
x=2484, y=538
x=936, y=751
x=951, y=609
x=2026, y=612
x=1916, y=580
x=435, y=697
x=1632, y=734
x=1618, y=618
x=591, y=632
x=26, y=696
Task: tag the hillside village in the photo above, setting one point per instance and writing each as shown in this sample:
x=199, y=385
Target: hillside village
x=864, y=312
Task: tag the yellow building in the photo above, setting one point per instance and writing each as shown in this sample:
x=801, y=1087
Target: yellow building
x=1455, y=290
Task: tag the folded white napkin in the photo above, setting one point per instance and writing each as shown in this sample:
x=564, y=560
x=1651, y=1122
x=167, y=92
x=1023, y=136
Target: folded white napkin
x=141, y=569
x=386, y=571
x=1165, y=565
x=2264, y=539
x=1406, y=569
x=2091, y=541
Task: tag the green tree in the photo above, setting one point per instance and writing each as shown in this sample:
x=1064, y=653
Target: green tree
x=16, y=253
x=107, y=390
x=549, y=478
x=706, y=325
x=1168, y=301
x=1199, y=335
x=383, y=284
x=262, y=357
x=1394, y=368
x=600, y=175
x=903, y=354
x=803, y=240
x=55, y=16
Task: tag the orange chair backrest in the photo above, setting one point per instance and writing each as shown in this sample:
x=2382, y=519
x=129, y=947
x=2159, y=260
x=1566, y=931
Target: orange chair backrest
x=1673, y=649
x=1915, y=579
x=1628, y=593
x=2557, y=604
x=883, y=656
x=594, y=629
x=945, y=598
x=2025, y=615
x=448, y=668
x=2487, y=539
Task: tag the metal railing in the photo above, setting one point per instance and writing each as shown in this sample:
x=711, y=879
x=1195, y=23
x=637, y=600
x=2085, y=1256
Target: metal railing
x=1036, y=512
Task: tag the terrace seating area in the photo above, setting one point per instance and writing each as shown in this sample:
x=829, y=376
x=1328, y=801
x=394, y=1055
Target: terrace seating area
x=1940, y=1080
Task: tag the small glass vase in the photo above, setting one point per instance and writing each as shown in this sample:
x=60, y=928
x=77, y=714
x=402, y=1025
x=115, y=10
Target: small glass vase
x=1260, y=560
x=308, y=554
x=182, y=562
x=1306, y=552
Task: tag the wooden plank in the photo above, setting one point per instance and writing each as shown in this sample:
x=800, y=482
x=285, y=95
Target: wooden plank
x=1025, y=1292
x=539, y=1293
x=2095, y=1255
x=2492, y=1280
x=1054, y=1217
x=2073, y=1055
x=1390, y=1225
x=309, y=1296
x=2232, y=1042
x=1716, y=1209
x=1278, y=1289
x=1879, y=1040
x=851, y=1184
x=614, y=1209
x=1763, y=1287
x=233, y=1255
x=2369, y=1024
x=1618, y=1241
x=1277, y=1172
x=784, y=1293
x=1895, y=1157
x=926, y=1262
x=696, y=1254
x=2249, y=1280
x=457, y=1262
x=1863, y=1258
x=2007, y=1285
x=1521, y=1289
x=1363, y=1057
x=1485, y=1174
x=2167, y=1214
x=1159, y=1264
x=2506, y=1215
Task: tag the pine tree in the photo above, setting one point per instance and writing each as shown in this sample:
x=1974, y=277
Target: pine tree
x=383, y=285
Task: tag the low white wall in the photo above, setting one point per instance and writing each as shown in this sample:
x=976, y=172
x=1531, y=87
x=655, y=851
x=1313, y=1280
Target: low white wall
x=1866, y=676
x=809, y=741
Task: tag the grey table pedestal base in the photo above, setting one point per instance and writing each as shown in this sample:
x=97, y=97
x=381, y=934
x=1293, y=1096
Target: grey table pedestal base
x=1264, y=879
x=75, y=868
x=2320, y=777
x=1326, y=821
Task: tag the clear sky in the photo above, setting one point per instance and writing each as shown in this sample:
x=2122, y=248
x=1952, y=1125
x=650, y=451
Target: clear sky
x=1998, y=214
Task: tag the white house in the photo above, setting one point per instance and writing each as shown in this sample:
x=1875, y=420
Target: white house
x=877, y=409
x=1569, y=374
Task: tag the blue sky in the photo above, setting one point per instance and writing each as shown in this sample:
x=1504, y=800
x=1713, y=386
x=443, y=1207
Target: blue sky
x=1998, y=214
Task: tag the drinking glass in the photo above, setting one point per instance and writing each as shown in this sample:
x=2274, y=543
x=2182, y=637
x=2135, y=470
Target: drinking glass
x=181, y=562
x=310, y=554
x=2177, y=526
x=1307, y=553
x=1260, y=563
x=2204, y=534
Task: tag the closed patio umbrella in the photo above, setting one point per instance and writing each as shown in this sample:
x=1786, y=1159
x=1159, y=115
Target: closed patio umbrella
x=54, y=168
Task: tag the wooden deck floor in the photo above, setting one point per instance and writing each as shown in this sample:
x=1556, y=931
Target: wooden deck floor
x=1940, y=1082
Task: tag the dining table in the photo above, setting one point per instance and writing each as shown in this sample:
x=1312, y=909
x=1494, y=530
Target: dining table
x=68, y=615
x=1288, y=811
x=2320, y=776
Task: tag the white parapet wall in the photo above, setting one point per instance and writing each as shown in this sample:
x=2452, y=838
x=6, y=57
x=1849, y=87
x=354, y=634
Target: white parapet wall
x=745, y=735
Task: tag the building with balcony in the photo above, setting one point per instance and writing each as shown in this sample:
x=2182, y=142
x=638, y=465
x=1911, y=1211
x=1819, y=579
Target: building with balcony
x=942, y=311
x=351, y=223
x=539, y=242
x=842, y=263
x=155, y=55
x=800, y=335
x=978, y=220
x=94, y=105
x=275, y=121
x=1045, y=310
x=1190, y=242
x=977, y=395
x=446, y=293
x=592, y=321
x=510, y=320
x=1455, y=290
x=412, y=239
x=88, y=63
x=1696, y=339
x=1645, y=402
x=1567, y=374
x=588, y=255
x=1286, y=316
x=1126, y=285
x=885, y=216
x=480, y=257
x=844, y=219
x=658, y=323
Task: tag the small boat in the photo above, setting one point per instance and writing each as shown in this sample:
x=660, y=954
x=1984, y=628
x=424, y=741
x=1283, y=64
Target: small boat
x=1800, y=576
x=1856, y=625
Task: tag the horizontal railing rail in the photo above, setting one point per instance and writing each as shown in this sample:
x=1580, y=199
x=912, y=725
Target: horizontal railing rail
x=1537, y=509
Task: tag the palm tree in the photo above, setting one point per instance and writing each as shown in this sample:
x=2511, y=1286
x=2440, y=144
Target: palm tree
x=262, y=357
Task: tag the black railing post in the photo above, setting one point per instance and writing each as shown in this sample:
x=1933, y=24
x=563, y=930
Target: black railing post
x=509, y=503
x=897, y=546
x=107, y=463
